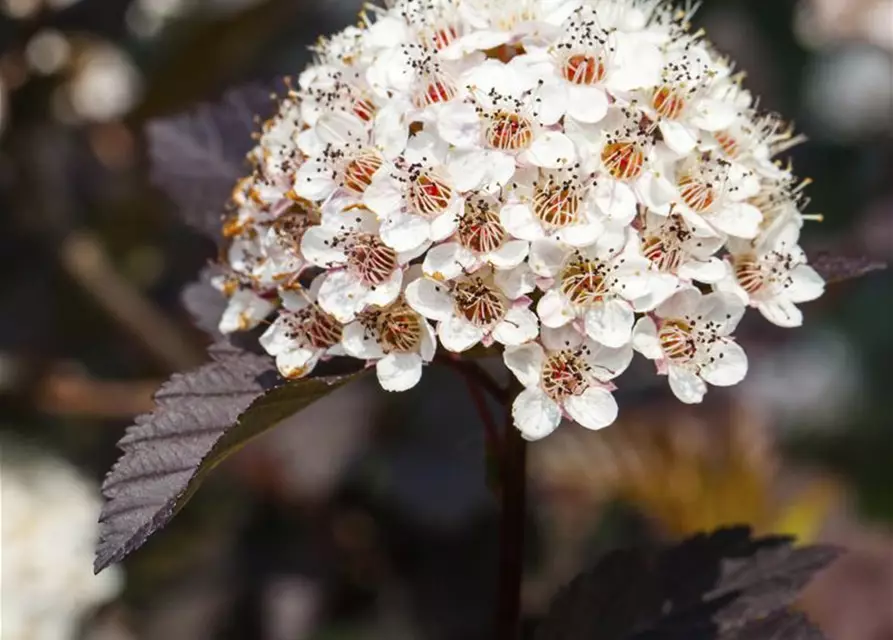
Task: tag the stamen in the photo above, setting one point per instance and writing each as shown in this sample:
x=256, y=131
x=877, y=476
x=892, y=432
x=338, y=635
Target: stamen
x=676, y=341
x=584, y=281
x=623, y=160
x=509, y=131
x=697, y=195
x=583, y=69
x=564, y=374
x=479, y=228
x=668, y=102
x=479, y=303
x=370, y=259
x=749, y=273
x=313, y=327
x=357, y=172
x=557, y=204
x=429, y=193
x=399, y=329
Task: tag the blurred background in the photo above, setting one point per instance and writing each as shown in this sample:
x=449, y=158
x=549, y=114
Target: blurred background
x=368, y=516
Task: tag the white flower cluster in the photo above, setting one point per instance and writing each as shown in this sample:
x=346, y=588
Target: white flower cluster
x=571, y=179
x=47, y=535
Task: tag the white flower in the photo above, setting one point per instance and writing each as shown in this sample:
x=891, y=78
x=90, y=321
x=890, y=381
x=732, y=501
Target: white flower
x=717, y=191
x=684, y=103
x=689, y=337
x=361, y=269
x=589, y=61
x=480, y=307
x=415, y=201
x=397, y=338
x=773, y=276
x=593, y=286
x=302, y=334
x=48, y=535
x=480, y=239
x=564, y=375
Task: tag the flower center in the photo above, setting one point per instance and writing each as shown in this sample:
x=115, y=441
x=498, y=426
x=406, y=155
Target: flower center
x=370, y=259
x=357, y=172
x=583, y=69
x=699, y=196
x=479, y=228
x=727, y=143
x=315, y=328
x=363, y=109
x=429, y=193
x=509, y=131
x=440, y=37
x=556, y=204
x=584, y=281
x=623, y=160
x=662, y=254
x=564, y=374
x=399, y=329
x=749, y=273
x=676, y=341
x=668, y=102
x=434, y=92
x=479, y=303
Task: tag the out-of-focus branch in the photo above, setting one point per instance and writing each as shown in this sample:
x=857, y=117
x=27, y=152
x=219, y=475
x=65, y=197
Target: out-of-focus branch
x=69, y=392
x=85, y=260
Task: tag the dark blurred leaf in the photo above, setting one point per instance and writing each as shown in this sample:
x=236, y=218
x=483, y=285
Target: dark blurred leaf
x=197, y=157
x=203, y=302
x=782, y=625
x=201, y=417
x=724, y=586
x=838, y=268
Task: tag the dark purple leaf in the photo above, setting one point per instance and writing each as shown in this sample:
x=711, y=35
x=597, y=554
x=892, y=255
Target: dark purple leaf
x=201, y=417
x=838, y=268
x=198, y=157
x=722, y=586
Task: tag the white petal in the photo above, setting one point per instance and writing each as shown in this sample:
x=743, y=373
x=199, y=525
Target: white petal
x=404, y=232
x=509, y=255
x=554, y=310
x=805, y=284
x=616, y=201
x=660, y=287
x=714, y=115
x=444, y=225
x=245, y=310
x=610, y=322
x=342, y=295
x=608, y=362
x=447, y=261
x=318, y=248
x=686, y=386
x=683, y=302
x=296, y=363
x=678, y=136
x=459, y=124
x=297, y=300
x=313, y=181
x=552, y=103
x=586, y=104
x=515, y=282
x=338, y=127
x=384, y=195
x=551, y=150
x=399, y=371
x=580, y=235
x=519, y=326
x=535, y=414
x=722, y=310
x=275, y=339
x=595, y=408
x=739, y=219
x=525, y=361
x=310, y=144
x=430, y=298
x=564, y=337
x=781, y=312
x=469, y=169
x=639, y=60
x=547, y=257
x=385, y=293
x=518, y=219
x=428, y=344
x=390, y=130
x=728, y=365
x=707, y=271
x=457, y=334
x=360, y=343
x=645, y=339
